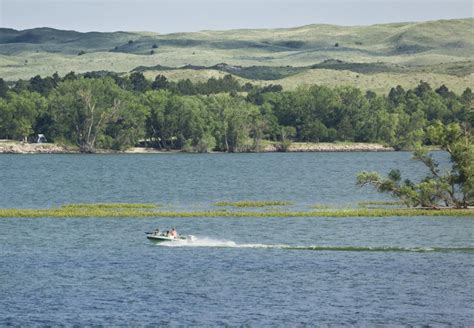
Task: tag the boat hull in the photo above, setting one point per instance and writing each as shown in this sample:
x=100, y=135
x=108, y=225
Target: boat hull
x=161, y=239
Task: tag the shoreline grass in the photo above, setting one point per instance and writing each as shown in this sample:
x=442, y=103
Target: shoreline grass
x=110, y=206
x=258, y=203
x=72, y=212
x=381, y=202
x=320, y=206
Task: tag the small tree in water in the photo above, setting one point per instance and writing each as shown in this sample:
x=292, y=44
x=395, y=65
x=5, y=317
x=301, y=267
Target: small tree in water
x=452, y=188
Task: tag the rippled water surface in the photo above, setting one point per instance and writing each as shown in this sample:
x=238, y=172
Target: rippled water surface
x=255, y=271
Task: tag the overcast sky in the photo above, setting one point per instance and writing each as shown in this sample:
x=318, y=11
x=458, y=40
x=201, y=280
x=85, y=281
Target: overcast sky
x=167, y=16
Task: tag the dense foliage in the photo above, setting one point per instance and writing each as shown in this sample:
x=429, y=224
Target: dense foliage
x=450, y=188
x=105, y=110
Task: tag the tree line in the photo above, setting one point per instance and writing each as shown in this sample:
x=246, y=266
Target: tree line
x=110, y=111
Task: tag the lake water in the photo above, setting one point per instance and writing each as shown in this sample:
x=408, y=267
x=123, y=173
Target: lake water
x=238, y=271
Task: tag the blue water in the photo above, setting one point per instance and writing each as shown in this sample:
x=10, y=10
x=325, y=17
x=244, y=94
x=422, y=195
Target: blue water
x=194, y=179
x=237, y=271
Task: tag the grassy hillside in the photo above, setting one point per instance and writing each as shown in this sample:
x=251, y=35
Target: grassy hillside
x=379, y=82
x=437, y=50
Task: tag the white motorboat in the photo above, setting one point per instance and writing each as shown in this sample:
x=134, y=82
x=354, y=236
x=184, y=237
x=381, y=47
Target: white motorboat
x=156, y=236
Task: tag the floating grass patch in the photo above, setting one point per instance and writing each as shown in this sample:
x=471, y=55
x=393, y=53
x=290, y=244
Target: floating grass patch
x=258, y=203
x=380, y=203
x=109, y=206
x=319, y=206
x=137, y=213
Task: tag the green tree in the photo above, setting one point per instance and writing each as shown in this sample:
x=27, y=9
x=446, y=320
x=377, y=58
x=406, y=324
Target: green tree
x=409, y=129
x=127, y=126
x=85, y=107
x=175, y=121
x=6, y=119
x=456, y=139
x=258, y=126
x=186, y=87
x=371, y=119
x=3, y=88
x=70, y=76
x=454, y=188
x=422, y=88
x=287, y=133
x=467, y=95
x=206, y=143
x=234, y=122
x=314, y=131
x=20, y=86
x=155, y=120
x=139, y=82
x=160, y=82
x=42, y=86
x=18, y=114
x=396, y=96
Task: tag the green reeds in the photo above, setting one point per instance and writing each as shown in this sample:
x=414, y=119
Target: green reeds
x=137, y=213
x=320, y=206
x=258, y=203
x=109, y=206
x=381, y=203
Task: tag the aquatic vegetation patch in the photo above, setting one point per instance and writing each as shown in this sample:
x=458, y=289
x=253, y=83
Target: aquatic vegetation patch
x=137, y=213
x=109, y=206
x=258, y=203
x=380, y=202
x=320, y=206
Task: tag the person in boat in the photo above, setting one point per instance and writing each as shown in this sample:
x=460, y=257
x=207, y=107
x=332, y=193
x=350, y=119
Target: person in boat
x=157, y=231
x=174, y=233
x=168, y=233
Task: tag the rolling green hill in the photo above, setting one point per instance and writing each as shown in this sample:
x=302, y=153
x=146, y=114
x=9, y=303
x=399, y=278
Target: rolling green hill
x=377, y=55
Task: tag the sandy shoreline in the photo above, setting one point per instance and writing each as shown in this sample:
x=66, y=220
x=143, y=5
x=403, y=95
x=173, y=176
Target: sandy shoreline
x=13, y=147
x=331, y=147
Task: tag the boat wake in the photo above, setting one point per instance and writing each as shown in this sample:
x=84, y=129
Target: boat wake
x=218, y=243
x=209, y=242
